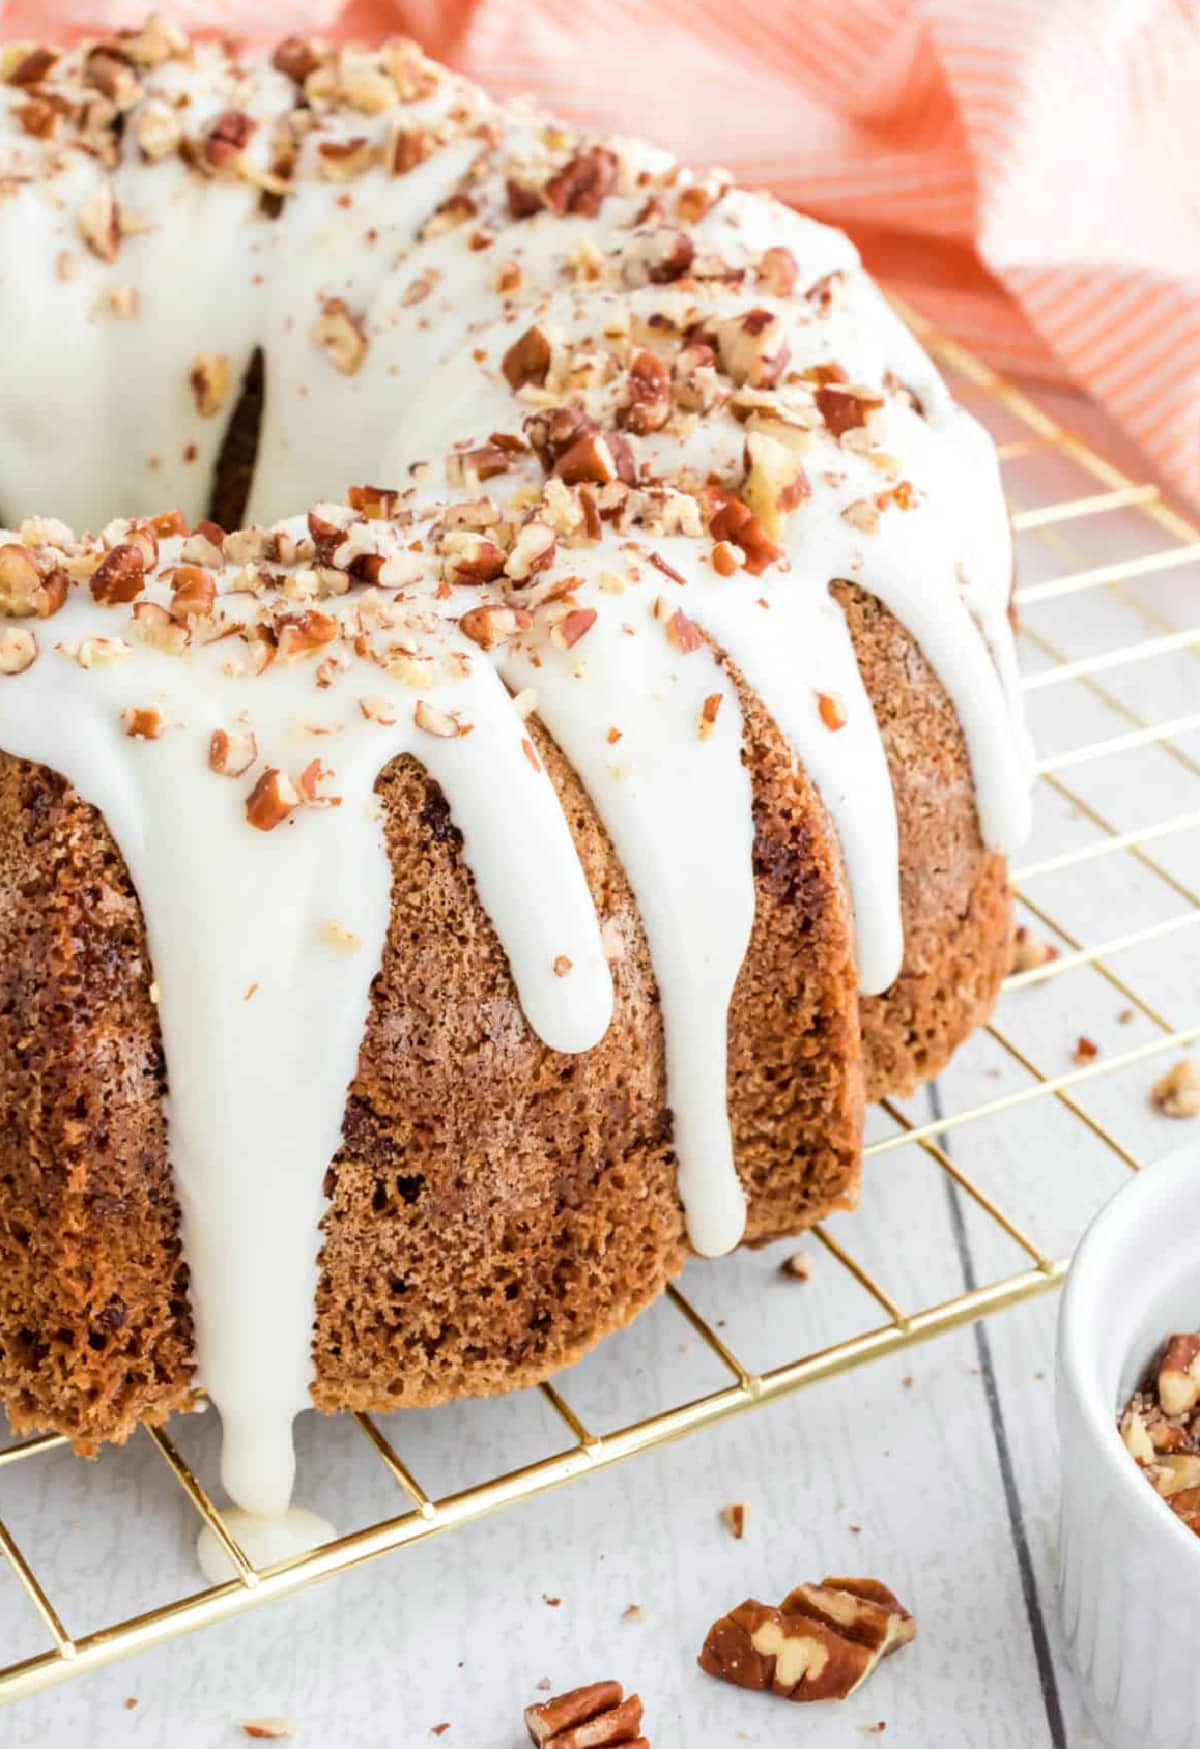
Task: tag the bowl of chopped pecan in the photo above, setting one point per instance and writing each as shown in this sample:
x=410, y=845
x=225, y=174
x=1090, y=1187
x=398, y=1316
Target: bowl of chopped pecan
x=1129, y=1427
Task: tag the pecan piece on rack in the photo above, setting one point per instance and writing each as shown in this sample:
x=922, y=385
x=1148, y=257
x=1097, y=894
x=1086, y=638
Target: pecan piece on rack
x=587, y=1718
x=820, y=1644
x=1177, y=1093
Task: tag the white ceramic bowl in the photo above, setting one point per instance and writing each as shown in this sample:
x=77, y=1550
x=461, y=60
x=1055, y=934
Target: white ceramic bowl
x=1129, y=1571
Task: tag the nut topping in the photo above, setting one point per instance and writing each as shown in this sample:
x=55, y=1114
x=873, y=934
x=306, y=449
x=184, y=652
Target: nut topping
x=532, y=551
x=340, y=336
x=226, y=138
x=99, y=223
x=751, y=348
x=271, y=800
x=211, y=377
x=231, y=752
x=580, y=186
x=736, y=522
x=832, y=710
x=445, y=725
x=120, y=575
x=18, y=650
x=777, y=272
x=846, y=407
x=142, y=723
x=158, y=628
x=195, y=591
x=587, y=1718
x=24, y=592
x=295, y=57
x=33, y=67
x=488, y=626
x=527, y=359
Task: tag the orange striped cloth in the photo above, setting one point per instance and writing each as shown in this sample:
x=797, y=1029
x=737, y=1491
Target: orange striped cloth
x=1024, y=170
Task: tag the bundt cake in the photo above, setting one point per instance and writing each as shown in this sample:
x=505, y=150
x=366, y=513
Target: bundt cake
x=425, y=916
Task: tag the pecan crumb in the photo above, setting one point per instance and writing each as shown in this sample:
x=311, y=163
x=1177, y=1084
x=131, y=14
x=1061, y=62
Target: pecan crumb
x=268, y=1730
x=1086, y=1050
x=797, y=1267
x=735, y=1517
x=1031, y=950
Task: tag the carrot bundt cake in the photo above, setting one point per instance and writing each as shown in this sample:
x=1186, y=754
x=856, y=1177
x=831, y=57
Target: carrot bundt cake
x=425, y=916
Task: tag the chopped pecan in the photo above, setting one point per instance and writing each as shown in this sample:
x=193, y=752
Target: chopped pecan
x=271, y=800
x=658, y=256
x=736, y=1515
x=411, y=147
x=33, y=67
x=340, y=335
x=532, y=551
x=444, y=725
x=581, y=185
x=1179, y=1375
x=210, y=376
x=527, y=359
x=231, y=752
x=194, y=591
x=142, y=722
x=99, y=222
x=120, y=575
x=832, y=710
x=299, y=635
x=845, y=406
x=820, y=1644
x=471, y=558
x=24, y=592
x=751, y=348
x=160, y=629
x=491, y=625
x=647, y=402
x=226, y=138
x=587, y=1718
x=18, y=650
x=296, y=57
x=777, y=272
x=775, y=483
x=735, y=522
x=1177, y=1093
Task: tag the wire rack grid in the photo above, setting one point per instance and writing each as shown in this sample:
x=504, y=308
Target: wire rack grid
x=1096, y=489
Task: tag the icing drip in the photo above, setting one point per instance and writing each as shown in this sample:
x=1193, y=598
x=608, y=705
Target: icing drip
x=264, y=946
x=677, y=809
x=387, y=296
x=263, y=1541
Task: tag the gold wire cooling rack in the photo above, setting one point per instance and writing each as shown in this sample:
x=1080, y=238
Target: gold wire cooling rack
x=1101, y=489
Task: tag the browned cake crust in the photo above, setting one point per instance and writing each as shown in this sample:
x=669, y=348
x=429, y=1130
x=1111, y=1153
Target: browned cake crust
x=95, y=1333
x=954, y=895
x=496, y=1207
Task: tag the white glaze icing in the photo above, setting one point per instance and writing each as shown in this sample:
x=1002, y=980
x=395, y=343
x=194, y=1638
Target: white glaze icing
x=908, y=507
x=263, y=1541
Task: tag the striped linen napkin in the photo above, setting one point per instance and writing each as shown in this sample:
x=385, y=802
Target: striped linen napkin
x=1026, y=171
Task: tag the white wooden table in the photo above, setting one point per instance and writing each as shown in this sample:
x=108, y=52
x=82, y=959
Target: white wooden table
x=935, y=1469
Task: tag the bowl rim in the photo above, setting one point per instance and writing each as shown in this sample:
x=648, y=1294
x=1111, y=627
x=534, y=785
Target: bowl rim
x=1117, y=1228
